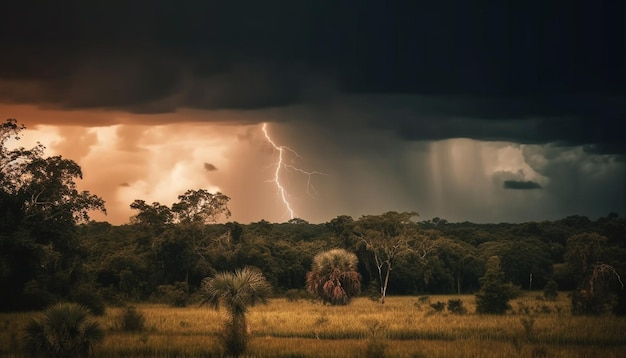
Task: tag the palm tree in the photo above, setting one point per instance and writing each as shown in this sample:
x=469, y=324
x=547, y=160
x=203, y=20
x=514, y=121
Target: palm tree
x=62, y=330
x=236, y=292
x=333, y=276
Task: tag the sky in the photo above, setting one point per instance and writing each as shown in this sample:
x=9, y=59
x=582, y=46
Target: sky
x=482, y=111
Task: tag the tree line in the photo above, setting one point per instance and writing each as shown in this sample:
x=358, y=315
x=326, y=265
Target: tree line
x=50, y=251
x=141, y=262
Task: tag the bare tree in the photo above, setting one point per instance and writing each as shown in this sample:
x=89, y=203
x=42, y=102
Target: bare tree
x=389, y=236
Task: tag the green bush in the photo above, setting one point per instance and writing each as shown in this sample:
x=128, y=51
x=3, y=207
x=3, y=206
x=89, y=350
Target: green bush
x=494, y=294
x=513, y=291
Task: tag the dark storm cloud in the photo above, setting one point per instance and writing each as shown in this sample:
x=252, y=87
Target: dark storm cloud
x=523, y=185
x=527, y=72
x=588, y=120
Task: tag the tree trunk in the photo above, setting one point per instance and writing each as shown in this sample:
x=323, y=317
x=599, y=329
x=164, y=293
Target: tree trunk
x=384, y=288
x=236, y=340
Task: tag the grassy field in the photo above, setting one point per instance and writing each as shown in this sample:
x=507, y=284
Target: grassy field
x=402, y=327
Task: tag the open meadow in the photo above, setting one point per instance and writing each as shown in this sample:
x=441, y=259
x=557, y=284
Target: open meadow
x=406, y=326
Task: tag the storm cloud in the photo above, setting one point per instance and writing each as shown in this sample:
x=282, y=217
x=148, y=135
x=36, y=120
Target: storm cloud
x=521, y=185
x=439, y=107
x=485, y=71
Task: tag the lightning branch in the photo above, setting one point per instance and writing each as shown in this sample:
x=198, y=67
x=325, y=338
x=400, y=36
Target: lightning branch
x=281, y=166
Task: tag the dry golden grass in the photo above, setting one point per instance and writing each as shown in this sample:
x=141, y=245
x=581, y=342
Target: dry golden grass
x=405, y=326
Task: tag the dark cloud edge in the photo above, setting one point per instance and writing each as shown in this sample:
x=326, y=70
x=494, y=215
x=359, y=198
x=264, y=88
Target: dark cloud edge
x=521, y=185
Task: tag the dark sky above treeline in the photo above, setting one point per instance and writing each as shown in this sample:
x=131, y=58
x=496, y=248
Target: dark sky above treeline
x=481, y=111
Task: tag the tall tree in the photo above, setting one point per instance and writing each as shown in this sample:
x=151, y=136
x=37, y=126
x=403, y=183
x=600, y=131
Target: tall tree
x=176, y=235
x=200, y=206
x=387, y=237
x=333, y=276
x=40, y=207
x=237, y=292
x=342, y=227
x=155, y=215
x=460, y=258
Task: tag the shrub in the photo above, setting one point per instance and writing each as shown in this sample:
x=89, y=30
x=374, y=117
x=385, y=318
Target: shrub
x=132, y=320
x=512, y=291
x=550, y=291
x=422, y=300
x=62, y=330
x=438, y=306
x=456, y=307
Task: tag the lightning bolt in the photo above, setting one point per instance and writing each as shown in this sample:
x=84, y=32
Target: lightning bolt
x=282, y=166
